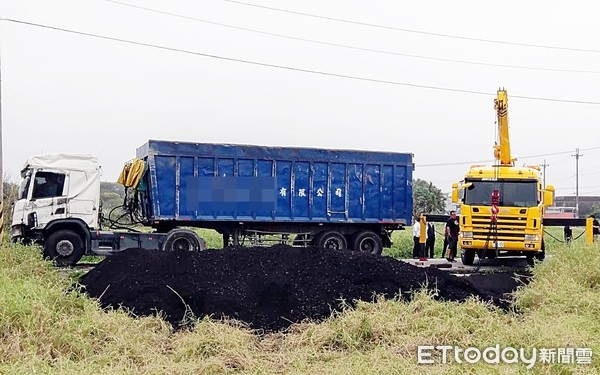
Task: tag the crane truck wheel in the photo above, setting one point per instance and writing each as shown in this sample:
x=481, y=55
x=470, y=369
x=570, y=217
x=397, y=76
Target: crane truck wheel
x=367, y=242
x=467, y=256
x=541, y=255
x=530, y=259
x=331, y=240
x=183, y=240
x=65, y=247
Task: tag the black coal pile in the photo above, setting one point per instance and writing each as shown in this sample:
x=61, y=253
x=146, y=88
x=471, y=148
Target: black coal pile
x=268, y=288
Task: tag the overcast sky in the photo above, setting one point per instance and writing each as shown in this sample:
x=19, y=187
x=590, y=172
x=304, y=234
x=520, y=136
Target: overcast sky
x=65, y=92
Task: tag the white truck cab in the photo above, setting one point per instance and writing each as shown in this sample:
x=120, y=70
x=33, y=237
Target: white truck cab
x=57, y=186
x=57, y=190
x=58, y=207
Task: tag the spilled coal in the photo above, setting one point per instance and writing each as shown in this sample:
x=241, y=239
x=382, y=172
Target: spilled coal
x=268, y=288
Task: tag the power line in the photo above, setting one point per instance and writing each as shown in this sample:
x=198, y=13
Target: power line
x=492, y=160
x=565, y=179
x=355, y=47
x=589, y=173
x=571, y=187
x=364, y=79
x=416, y=31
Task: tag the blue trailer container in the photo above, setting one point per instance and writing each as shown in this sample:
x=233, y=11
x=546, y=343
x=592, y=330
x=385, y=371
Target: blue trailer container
x=331, y=198
x=337, y=199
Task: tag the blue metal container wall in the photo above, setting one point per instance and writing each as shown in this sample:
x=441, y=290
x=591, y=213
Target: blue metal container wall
x=312, y=185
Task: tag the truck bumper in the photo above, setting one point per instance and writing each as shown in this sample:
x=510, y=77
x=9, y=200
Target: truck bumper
x=502, y=245
x=21, y=233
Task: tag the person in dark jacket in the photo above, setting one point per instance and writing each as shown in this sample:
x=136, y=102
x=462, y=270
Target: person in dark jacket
x=452, y=229
x=568, y=233
x=430, y=243
x=595, y=227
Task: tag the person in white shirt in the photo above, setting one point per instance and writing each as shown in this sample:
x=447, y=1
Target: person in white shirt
x=416, y=236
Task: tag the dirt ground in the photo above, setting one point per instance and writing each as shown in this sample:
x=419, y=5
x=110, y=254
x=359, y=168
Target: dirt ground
x=269, y=288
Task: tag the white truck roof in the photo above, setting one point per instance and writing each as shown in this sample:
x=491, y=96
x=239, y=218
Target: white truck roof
x=79, y=162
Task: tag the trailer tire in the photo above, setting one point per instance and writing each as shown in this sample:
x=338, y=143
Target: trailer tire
x=331, y=240
x=64, y=247
x=367, y=242
x=467, y=256
x=183, y=240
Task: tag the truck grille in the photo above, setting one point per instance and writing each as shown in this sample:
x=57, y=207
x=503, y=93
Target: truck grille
x=510, y=228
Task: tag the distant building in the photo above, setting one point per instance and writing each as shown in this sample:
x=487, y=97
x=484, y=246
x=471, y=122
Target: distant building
x=559, y=212
x=587, y=203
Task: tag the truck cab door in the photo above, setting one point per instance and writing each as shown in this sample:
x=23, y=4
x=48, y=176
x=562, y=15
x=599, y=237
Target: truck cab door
x=48, y=198
x=19, y=209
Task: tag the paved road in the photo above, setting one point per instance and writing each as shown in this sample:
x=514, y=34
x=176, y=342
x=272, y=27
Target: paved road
x=501, y=264
x=500, y=276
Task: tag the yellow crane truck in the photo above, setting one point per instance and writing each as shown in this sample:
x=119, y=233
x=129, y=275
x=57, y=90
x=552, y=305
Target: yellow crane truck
x=501, y=206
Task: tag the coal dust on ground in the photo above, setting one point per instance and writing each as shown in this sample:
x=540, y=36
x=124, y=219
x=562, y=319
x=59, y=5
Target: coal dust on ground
x=267, y=288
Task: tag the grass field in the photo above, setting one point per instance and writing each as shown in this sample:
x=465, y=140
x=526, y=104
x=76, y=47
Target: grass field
x=47, y=327
x=403, y=242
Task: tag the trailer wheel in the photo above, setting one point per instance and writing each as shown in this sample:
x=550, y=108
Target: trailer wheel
x=367, y=242
x=467, y=256
x=331, y=241
x=65, y=247
x=183, y=240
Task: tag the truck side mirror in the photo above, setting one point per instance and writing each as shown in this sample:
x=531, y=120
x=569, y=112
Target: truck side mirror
x=549, y=195
x=455, y=192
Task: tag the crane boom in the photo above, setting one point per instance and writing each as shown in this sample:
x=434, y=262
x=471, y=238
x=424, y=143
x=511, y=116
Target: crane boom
x=502, y=148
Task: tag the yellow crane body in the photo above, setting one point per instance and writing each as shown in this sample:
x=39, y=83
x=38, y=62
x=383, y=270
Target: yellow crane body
x=501, y=206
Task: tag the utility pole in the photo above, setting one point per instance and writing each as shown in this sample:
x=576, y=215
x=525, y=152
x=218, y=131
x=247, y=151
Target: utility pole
x=577, y=156
x=544, y=166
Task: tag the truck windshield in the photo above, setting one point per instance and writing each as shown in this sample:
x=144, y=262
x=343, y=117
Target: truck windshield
x=512, y=193
x=24, y=187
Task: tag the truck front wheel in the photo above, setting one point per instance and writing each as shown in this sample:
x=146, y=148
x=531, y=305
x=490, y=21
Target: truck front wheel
x=467, y=256
x=541, y=255
x=65, y=247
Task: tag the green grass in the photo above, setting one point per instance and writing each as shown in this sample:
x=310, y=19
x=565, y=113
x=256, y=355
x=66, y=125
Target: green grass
x=47, y=328
x=403, y=242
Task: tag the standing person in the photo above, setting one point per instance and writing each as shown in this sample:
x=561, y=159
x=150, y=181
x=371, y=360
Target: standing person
x=430, y=243
x=568, y=234
x=416, y=235
x=595, y=227
x=452, y=229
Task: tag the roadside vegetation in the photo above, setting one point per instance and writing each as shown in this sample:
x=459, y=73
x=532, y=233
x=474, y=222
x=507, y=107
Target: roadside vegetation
x=46, y=326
